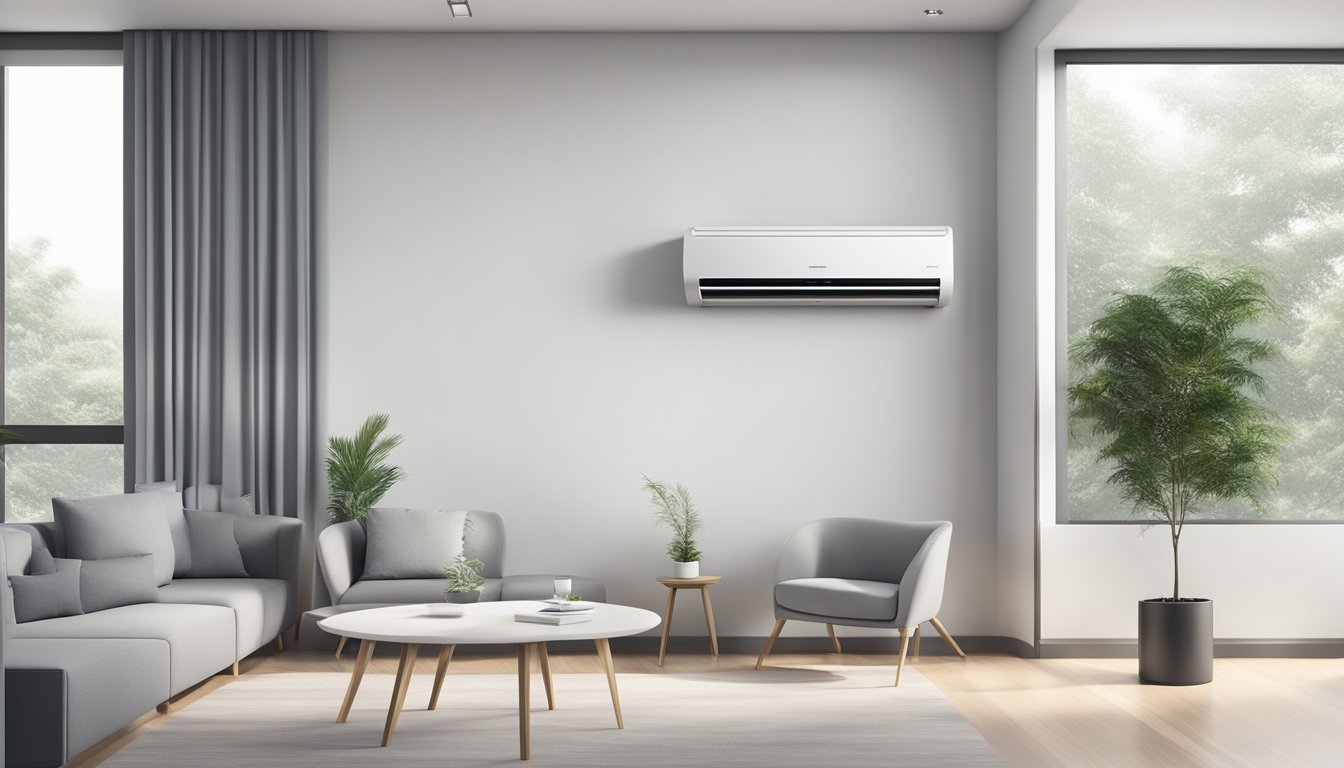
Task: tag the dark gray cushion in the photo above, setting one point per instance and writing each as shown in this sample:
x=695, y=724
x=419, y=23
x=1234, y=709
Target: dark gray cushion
x=839, y=598
x=42, y=562
x=117, y=581
x=412, y=543
x=214, y=547
x=122, y=525
x=48, y=595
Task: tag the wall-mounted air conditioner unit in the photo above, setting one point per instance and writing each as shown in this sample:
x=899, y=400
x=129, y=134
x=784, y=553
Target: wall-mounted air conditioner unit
x=818, y=266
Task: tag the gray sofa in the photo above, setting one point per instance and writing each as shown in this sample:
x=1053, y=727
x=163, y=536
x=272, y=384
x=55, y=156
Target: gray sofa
x=223, y=586
x=406, y=573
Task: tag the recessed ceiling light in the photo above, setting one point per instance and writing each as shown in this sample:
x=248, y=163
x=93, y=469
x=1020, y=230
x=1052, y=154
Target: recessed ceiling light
x=460, y=9
x=933, y=11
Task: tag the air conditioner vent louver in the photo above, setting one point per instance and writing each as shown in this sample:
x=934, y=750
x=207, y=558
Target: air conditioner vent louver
x=818, y=266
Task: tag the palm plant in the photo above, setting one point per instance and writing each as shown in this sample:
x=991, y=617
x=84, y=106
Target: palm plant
x=1170, y=384
x=358, y=474
x=675, y=509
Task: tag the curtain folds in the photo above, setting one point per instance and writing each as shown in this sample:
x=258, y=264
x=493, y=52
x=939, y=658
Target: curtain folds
x=224, y=193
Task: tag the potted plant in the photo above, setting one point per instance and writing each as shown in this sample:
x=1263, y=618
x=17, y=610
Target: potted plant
x=1168, y=381
x=358, y=474
x=674, y=508
x=462, y=580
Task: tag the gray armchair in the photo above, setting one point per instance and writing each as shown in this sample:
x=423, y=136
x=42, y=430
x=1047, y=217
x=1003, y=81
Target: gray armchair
x=858, y=572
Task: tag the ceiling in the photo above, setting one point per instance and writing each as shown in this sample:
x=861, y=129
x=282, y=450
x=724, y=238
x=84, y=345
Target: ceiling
x=512, y=15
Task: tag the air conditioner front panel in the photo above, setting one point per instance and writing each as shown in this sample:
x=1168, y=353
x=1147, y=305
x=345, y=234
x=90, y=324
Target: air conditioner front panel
x=818, y=266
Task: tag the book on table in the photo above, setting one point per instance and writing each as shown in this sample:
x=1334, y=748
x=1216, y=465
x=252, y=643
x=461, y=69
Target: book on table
x=553, y=617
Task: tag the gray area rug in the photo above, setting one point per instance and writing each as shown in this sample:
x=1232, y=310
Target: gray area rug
x=818, y=716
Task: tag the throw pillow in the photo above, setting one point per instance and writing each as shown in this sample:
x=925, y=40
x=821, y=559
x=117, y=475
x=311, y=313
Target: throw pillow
x=177, y=524
x=122, y=525
x=214, y=547
x=47, y=595
x=41, y=562
x=412, y=543
x=116, y=581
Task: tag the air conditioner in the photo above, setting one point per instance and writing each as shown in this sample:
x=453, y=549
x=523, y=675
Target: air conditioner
x=818, y=266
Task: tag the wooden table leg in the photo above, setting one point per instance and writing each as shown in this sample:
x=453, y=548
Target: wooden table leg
x=524, y=701
x=404, y=670
x=340, y=646
x=709, y=620
x=361, y=664
x=445, y=656
x=604, y=653
x=667, y=623
x=546, y=674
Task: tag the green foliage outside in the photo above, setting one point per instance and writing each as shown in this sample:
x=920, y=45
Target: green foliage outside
x=63, y=365
x=1218, y=166
x=1164, y=380
x=358, y=474
x=674, y=508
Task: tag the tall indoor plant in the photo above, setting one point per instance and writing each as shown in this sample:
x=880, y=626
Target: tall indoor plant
x=1169, y=381
x=358, y=473
x=673, y=507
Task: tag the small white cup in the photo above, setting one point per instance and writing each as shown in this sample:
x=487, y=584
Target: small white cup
x=563, y=585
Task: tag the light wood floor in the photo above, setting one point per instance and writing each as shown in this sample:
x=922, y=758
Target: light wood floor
x=1036, y=713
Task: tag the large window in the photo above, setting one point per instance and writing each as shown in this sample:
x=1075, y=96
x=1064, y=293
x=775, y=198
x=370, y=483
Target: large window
x=62, y=352
x=1215, y=159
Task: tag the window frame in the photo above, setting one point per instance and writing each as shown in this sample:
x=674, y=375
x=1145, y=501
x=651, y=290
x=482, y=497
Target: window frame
x=57, y=49
x=1063, y=58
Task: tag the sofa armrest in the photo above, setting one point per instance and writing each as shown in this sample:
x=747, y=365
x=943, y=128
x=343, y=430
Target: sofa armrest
x=270, y=547
x=340, y=554
x=921, y=595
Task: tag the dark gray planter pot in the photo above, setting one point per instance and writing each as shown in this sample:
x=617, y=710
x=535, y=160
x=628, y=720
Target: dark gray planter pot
x=1176, y=642
x=462, y=597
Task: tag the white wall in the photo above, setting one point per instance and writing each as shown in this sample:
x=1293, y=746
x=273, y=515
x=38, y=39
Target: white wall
x=504, y=279
x=1019, y=166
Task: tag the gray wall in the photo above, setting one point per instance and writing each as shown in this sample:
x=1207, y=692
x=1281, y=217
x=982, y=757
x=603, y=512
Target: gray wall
x=505, y=281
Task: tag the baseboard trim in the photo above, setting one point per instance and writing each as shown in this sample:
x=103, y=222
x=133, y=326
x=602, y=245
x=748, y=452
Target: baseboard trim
x=1231, y=648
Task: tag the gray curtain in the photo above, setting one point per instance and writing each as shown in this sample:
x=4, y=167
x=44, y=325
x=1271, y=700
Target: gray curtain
x=224, y=224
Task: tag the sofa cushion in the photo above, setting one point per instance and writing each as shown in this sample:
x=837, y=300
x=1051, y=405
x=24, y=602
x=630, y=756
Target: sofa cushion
x=121, y=525
x=412, y=543
x=201, y=638
x=116, y=581
x=41, y=561
x=839, y=598
x=260, y=606
x=402, y=591
x=214, y=546
x=47, y=595
x=177, y=523
x=67, y=695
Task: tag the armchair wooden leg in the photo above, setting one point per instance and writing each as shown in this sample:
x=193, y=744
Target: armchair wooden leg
x=770, y=642
x=235, y=669
x=915, y=652
x=938, y=625
x=835, y=641
x=900, y=659
x=280, y=642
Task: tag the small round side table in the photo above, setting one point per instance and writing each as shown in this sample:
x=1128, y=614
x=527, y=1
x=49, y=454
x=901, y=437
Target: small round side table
x=701, y=583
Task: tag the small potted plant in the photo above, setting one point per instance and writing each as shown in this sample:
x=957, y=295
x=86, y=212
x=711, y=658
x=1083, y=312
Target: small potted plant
x=673, y=507
x=462, y=580
x=1169, y=381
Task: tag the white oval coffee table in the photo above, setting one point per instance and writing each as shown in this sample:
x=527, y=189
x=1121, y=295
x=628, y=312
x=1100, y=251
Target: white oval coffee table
x=482, y=624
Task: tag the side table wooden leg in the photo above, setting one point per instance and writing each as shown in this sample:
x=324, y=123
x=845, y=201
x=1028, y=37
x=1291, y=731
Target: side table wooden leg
x=361, y=664
x=404, y=670
x=709, y=620
x=667, y=623
x=445, y=656
x=524, y=701
x=604, y=653
x=545, y=660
